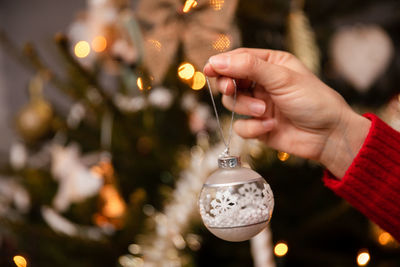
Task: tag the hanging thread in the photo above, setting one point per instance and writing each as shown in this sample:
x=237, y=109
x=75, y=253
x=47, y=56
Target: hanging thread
x=226, y=142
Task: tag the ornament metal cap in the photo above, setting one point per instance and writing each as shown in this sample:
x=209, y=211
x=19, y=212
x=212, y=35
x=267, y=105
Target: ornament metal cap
x=229, y=162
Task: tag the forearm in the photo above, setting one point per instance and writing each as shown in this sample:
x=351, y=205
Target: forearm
x=372, y=182
x=344, y=143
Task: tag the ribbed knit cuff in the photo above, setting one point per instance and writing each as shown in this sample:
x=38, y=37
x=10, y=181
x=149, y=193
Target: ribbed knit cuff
x=372, y=182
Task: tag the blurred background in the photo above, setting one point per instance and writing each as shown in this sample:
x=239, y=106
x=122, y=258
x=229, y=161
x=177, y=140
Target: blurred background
x=108, y=132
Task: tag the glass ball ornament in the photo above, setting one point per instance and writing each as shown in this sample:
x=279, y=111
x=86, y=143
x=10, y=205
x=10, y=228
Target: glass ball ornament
x=34, y=120
x=236, y=203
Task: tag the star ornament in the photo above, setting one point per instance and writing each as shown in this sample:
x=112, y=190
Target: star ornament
x=202, y=27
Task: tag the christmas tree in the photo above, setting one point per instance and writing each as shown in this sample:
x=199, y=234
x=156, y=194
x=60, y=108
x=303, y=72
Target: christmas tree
x=112, y=176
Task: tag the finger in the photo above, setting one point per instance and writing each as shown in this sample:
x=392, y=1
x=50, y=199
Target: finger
x=277, y=57
x=209, y=71
x=227, y=87
x=249, y=67
x=253, y=128
x=245, y=105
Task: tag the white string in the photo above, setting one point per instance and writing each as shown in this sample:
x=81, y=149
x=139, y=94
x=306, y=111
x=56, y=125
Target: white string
x=226, y=142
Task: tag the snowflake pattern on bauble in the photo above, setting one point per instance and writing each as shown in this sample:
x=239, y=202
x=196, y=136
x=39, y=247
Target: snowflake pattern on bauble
x=238, y=205
x=224, y=203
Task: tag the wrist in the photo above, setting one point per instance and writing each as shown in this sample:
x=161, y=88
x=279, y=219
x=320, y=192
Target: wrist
x=344, y=143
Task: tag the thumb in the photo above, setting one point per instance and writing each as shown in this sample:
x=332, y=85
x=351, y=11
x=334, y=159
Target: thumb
x=249, y=67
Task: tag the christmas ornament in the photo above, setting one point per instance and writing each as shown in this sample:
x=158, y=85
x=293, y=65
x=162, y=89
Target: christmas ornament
x=235, y=203
x=34, y=120
x=361, y=54
x=76, y=181
x=203, y=28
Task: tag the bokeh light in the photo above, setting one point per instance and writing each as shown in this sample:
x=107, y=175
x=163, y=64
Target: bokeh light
x=99, y=44
x=144, y=82
x=186, y=71
x=281, y=249
x=363, y=258
x=82, y=49
x=189, y=4
x=20, y=261
x=385, y=238
x=199, y=80
x=222, y=43
x=155, y=43
x=283, y=156
x=139, y=83
x=134, y=249
x=114, y=206
x=217, y=4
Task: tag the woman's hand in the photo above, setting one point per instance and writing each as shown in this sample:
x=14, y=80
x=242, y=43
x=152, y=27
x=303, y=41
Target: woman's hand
x=291, y=109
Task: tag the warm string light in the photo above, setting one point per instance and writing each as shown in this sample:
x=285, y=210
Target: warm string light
x=222, y=43
x=139, y=83
x=143, y=84
x=199, y=80
x=217, y=4
x=20, y=261
x=385, y=238
x=281, y=249
x=82, y=49
x=189, y=4
x=114, y=206
x=363, y=258
x=99, y=44
x=155, y=43
x=186, y=71
x=283, y=156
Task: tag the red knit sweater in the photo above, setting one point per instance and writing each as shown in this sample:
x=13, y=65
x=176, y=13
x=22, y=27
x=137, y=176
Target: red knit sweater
x=372, y=182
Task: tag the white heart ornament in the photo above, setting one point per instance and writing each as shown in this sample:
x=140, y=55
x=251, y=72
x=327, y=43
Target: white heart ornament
x=361, y=54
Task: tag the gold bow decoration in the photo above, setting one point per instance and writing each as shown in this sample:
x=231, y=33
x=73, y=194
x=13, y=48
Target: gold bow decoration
x=203, y=27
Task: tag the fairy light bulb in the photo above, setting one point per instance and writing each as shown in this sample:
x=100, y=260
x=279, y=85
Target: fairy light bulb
x=281, y=249
x=217, y=4
x=199, y=80
x=99, y=44
x=222, y=43
x=186, y=71
x=189, y=4
x=144, y=83
x=363, y=258
x=385, y=238
x=82, y=49
x=283, y=156
x=155, y=44
x=20, y=261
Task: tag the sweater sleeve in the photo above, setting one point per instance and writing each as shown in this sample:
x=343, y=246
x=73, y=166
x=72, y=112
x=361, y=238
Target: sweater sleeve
x=372, y=182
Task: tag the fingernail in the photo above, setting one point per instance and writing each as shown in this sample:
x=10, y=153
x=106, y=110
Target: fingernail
x=219, y=61
x=257, y=108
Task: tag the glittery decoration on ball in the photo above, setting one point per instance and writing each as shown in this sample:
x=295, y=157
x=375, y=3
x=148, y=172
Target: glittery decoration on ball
x=236, y=203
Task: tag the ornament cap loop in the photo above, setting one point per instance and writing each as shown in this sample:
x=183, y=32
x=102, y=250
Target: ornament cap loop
x=227, y=162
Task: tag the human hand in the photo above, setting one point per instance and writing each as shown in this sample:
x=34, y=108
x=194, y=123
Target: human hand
x=291, y=109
